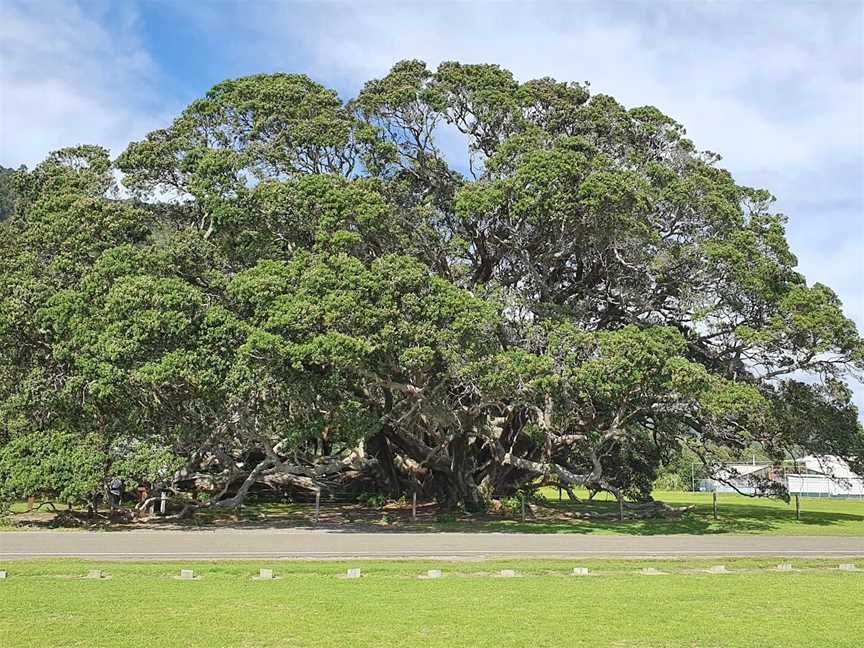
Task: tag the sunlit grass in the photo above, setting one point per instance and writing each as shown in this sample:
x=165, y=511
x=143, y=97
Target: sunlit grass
x=48, y=604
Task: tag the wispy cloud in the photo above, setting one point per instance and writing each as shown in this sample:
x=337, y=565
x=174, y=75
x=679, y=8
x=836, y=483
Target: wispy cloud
x=72, y=74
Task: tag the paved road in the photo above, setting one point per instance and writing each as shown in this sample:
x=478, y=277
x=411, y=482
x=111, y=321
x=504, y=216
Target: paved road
x=293, y=543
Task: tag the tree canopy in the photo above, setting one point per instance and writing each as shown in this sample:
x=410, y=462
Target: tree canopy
x=7, y=192
x=291, y=291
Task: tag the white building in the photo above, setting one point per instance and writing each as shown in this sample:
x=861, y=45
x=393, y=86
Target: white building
x=824, y=477
x=809, y=477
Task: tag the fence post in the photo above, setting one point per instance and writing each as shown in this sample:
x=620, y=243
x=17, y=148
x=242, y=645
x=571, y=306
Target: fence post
x=797, y=506
x=414, y=507
x=620, y=507
x=559, y=492
x=714, y=503
x=523, y=507
x=317, y=505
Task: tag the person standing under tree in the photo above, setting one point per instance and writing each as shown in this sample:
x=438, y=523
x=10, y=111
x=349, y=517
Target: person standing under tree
x=115, y=493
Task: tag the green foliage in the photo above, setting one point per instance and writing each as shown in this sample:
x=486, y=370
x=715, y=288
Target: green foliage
x=372, y=500
x=8, y=192
x=681, y=473
x=139, y=460
x=62, y=465
x=306, y=286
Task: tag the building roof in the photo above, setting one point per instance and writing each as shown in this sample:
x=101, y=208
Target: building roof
x=828, y=465
x=742, y=469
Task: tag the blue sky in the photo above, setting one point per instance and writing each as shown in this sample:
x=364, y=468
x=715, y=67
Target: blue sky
x=776, y=88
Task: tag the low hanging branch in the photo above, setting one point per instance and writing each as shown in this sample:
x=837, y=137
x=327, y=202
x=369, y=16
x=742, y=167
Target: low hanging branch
x=546, y=470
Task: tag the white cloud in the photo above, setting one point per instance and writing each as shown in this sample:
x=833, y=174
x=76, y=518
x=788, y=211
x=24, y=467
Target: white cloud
x=68, y=77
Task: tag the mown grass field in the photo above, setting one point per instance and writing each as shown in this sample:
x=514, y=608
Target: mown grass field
x=737, y=514
x=48, y=604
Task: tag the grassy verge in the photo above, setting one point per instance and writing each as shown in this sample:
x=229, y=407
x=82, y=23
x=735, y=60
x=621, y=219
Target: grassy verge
x=48, y=604
x=737, y=514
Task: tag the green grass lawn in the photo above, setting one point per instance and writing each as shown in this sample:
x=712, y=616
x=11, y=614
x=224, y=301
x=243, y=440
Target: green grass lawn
x=47, y=603
x=737, y=514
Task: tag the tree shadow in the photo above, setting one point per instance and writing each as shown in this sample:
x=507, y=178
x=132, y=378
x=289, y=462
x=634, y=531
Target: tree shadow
x=545, y=517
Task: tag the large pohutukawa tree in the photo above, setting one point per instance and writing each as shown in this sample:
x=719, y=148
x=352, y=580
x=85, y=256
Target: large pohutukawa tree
x=314, y=294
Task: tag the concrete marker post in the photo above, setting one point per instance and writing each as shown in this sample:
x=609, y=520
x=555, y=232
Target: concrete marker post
x=652, y=571
x=317, y=506
x=265, y=574
x=414, y=507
